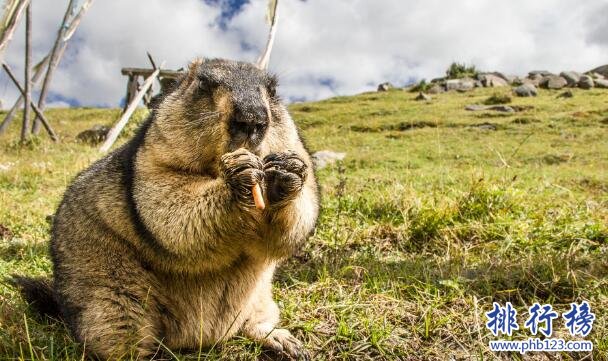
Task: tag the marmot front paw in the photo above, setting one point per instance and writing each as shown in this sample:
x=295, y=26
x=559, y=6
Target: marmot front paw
x=242, y=170
x=285, y=176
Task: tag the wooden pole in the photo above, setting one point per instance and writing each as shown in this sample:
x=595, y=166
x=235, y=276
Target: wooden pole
x=38, y=71
x=273, y=17
x=11, y=18
x=45, y=122
x=76, y=21
x=28, y=79
x=115, y=131
x=53, y=62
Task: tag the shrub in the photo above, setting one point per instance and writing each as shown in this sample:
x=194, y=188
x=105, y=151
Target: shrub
x=498, y=99
x=422, y=86
x=458, y=70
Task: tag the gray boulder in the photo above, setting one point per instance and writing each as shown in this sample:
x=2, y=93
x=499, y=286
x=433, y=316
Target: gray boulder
x=386, y=86
x=492, y=80
x=572, y=77
x=601, y=83
x=534, y=79
x=553, y=82
x=526, y=90
x=601, y=70
x=436, y=89
x=323, y=158
x=542, y=73
x=586, y=82
x=464, y=84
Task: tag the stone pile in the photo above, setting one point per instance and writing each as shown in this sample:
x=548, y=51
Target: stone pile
x=522, y=86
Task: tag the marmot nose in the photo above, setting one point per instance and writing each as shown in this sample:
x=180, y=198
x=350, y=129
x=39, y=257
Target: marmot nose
x=249, y=122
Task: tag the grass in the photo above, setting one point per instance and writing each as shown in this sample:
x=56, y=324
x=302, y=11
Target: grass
x=428, y=220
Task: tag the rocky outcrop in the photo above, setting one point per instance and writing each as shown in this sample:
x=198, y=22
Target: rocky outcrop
x=572, y=77
x=586, y=82
x=386, y=86
x=463, y=84
x=553, y=82
x=526, y=90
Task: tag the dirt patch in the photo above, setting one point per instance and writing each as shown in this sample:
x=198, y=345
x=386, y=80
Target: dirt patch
x=553, y=159
x=525, y=120
x=401, y=127
x=5, y=232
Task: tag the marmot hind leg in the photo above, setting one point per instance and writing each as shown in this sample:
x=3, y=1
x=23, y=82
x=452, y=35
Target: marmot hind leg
x=115, y=326
x=112, y=306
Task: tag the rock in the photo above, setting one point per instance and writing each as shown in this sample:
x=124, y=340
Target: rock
x=586, y=82
x=436, y=89
x=492, y=80
x=94, y=135
x=385, y=87
x=572, y=77
x=553, y=82
x=601, y=83
x=323, y=158
x=542, y=73
x=485, y=126
x=597, y=76
x=497, y=108
x=475, y=107
x=567, y=94
x=526, y=90
x=421, y=96
x=534, y=79
x=603, y=70
x=508, y=78
x=464, y=84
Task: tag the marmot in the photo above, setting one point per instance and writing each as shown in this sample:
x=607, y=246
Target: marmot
x=160, y=241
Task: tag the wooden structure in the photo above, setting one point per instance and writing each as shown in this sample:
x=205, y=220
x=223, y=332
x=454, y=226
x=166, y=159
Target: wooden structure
x=46, y=67
x=135, y=75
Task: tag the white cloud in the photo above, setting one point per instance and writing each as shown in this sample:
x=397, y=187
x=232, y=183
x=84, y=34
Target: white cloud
x=323, y=48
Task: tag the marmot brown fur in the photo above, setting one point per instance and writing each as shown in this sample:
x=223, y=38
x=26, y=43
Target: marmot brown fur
x=160, y=241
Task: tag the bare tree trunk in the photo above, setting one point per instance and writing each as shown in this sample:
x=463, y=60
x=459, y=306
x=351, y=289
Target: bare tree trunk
x=53, y=62
x=28, y=79
x=14, y=10
x=45, y=122
x=38, y=71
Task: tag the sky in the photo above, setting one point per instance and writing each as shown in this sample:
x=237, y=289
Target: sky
x=322, y=49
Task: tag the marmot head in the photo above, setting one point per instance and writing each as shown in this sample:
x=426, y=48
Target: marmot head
x=216, y=107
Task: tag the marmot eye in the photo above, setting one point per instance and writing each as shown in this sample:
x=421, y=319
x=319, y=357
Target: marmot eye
x=205, y=86
x=271, y=87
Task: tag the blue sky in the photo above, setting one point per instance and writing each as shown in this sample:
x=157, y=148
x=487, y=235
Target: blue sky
x=323, y=48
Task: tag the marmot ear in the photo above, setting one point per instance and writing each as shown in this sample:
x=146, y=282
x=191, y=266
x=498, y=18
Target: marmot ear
x=167, y=86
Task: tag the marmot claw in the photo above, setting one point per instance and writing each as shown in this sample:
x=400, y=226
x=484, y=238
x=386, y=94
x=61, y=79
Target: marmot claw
x=242, y=170
x=285, y=174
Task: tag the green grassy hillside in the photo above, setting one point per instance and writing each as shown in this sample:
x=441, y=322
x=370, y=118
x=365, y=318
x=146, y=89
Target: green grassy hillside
x=434, y=213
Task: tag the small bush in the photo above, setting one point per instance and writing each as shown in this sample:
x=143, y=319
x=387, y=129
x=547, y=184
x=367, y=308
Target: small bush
x=458, y=71
x=422, y=86
x=498, y=99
